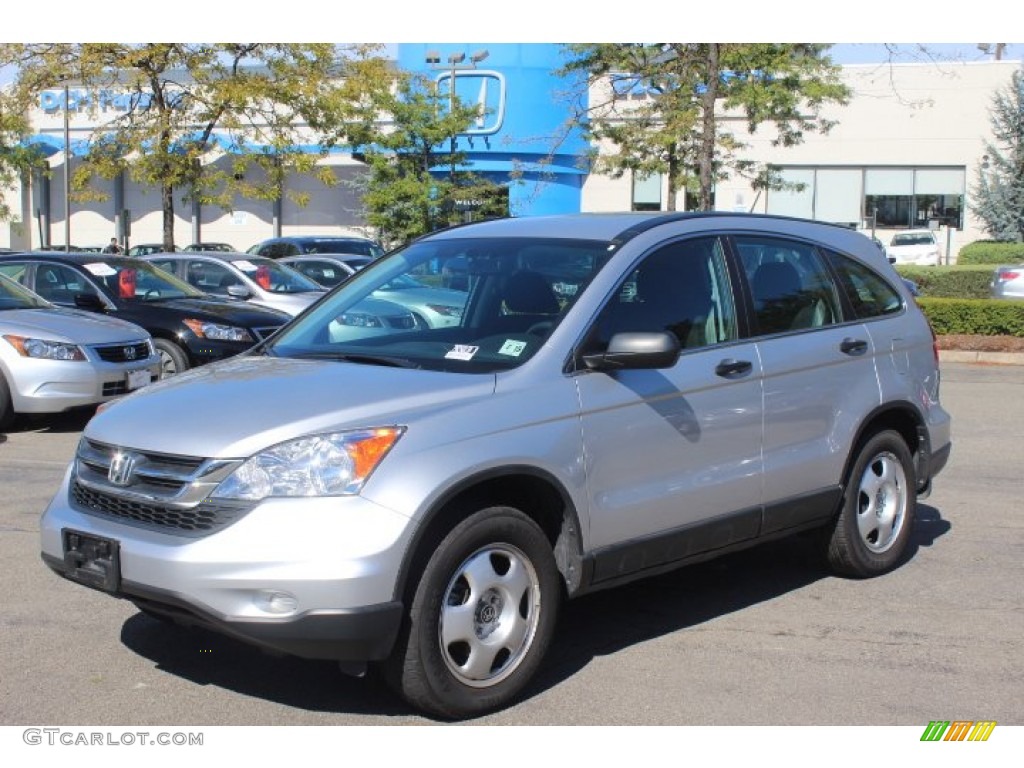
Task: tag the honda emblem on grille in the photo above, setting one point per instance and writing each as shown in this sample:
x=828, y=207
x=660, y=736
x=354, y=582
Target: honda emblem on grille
x=122, y=465
x=129, y=353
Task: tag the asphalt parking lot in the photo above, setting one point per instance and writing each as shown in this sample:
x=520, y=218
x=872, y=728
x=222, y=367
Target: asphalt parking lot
x=764, y=637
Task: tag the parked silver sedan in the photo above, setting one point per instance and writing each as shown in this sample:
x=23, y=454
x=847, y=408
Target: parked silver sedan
x=255, y=279
x=54, y=359
x=432, y=306
x=1008, y=282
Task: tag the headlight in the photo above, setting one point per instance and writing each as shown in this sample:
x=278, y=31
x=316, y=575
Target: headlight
x=216, y=332
x=319, y=465
x=446, y=310
x=361, y=319
x=45, y=350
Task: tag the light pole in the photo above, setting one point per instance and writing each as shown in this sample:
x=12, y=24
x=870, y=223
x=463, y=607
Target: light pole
x=456, y=62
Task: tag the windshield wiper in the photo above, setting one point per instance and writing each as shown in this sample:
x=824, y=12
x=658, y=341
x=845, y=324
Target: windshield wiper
x=358, y=357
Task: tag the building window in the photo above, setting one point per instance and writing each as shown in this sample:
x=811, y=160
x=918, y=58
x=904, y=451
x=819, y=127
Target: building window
x=646, y=192
x=893, y=198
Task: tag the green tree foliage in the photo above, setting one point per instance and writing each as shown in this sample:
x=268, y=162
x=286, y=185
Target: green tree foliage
x=271, y=101
x=416, y=170
x=663, y=102
x=15, y=158
x=999, y=191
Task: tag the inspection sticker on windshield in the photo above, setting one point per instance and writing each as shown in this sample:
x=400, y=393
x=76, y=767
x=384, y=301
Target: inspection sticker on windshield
x=462, y=352
x=101, y=270
x=512, y=347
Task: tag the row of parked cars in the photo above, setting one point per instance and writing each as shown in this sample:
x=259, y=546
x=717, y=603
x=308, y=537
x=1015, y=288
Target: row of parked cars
x=82, y=328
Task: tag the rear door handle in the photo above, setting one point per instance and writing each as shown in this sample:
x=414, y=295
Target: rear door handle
x=853, y=346
x=729, y=369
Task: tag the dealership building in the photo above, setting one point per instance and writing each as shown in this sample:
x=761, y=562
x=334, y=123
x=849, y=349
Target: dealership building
x=905, y=152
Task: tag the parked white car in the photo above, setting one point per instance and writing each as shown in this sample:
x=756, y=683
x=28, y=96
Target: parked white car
x=54, y=359
x=915, y=246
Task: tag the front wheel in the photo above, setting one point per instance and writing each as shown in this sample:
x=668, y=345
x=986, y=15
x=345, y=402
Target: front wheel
x=6, y=404
x=172, y=359
x=481, y=619
x=879, y=504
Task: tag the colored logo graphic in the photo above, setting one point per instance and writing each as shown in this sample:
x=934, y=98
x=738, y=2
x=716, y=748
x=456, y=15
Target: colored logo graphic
x=958, y=730
x=483, y=88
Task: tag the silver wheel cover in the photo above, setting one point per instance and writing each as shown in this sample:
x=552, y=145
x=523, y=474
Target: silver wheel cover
x=489, y=615
x=882, y=502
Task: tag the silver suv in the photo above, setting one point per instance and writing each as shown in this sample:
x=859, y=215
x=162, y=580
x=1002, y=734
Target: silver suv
x=623, y=394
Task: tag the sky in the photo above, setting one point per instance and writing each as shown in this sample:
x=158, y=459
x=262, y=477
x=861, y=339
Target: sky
x=863, y=22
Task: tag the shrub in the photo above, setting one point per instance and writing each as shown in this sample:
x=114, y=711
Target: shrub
x=972, y=282
x=991, y=252
x=986, y=317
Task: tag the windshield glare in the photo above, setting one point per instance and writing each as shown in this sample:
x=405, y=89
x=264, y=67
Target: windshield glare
x=274, y=276
x=473, y=305
x=137, y=280
x=14, y=296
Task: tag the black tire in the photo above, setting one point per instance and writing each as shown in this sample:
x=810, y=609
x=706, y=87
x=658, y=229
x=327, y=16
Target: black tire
x=6, y=404
x=172, y=359
x=879, y=505
x=507, y=619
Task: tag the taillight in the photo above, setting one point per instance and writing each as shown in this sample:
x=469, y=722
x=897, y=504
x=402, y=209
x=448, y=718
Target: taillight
x=1008, y=275
x=935, y=344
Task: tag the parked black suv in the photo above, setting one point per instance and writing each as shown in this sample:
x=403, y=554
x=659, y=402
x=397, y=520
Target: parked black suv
x=279, y=247
x=188, y=327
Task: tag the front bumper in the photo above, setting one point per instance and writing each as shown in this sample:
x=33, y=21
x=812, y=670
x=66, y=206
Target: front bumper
x=310, y=577
x=52, y=386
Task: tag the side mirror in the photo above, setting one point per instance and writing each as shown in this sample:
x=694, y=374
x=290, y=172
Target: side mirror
x=90, y=302
x=636, y=351
x=239, y=292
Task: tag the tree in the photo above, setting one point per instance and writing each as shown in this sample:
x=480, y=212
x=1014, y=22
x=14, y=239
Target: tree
x=15, y=158
x=662, y=103
x=417, y=178
x=179, y=102
x=999, y=191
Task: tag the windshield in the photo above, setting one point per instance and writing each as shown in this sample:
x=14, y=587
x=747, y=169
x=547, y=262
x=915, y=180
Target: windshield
x=916, y=238
x=136, y=280
x=273, y=276
x=14, y=296
x=397, y=311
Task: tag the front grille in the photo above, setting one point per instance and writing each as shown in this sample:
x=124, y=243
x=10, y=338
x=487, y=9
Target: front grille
x=401, y=321
x=159, y=491
x=200, y=520
x=123, y=353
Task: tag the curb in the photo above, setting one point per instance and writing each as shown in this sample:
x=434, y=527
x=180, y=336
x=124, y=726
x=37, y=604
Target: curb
x=989, y=358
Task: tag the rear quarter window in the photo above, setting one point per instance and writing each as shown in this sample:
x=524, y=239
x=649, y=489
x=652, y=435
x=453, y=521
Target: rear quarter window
x=869, y=293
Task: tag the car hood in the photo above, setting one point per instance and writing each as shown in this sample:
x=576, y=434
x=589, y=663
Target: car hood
x=240, y=406
x=908, y=250
x=219, y=310
x=290, y=303
x=443, y=296
x=69, y=325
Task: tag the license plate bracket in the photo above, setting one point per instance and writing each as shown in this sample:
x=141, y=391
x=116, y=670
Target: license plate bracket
x=92, y=560
x=137, y=379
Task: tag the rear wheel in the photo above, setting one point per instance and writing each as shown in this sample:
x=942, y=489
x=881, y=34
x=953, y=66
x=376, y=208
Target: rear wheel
x=874, y=526
x=172, y=359
x=481, y=619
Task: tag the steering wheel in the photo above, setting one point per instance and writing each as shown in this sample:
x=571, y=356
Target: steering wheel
x=543, y=328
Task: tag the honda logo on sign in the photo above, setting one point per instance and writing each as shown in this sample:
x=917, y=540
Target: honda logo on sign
x=483, y=87
x=122, y=465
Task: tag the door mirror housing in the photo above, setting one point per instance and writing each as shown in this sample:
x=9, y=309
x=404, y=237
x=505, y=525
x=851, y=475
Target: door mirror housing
x=636, y=351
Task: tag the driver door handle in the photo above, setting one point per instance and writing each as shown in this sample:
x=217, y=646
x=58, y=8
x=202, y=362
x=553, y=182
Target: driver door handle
x=730, y=369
